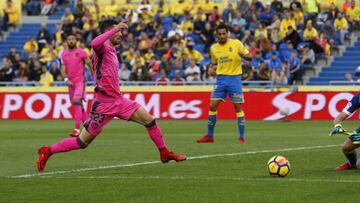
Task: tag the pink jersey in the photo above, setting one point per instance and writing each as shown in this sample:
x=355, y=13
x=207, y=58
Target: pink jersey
x=74, y=64
x=106, y=68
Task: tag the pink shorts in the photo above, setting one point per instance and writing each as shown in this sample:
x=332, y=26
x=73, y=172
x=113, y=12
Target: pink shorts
x=77, y=91
x=102, y=113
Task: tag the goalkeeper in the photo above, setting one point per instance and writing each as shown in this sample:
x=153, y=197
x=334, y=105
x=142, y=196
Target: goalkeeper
x=353, y=140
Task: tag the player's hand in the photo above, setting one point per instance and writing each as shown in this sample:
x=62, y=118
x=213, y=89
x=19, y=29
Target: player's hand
x=212, y=71
x=69, y=83
x=122, y=25
x=339, y=130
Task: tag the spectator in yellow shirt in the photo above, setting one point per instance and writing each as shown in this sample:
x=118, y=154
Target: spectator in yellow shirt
x=326, y=4
x=180, y=8
x=94, y=10
x=261, y=31
x=127, y=6
x=299, y=17
x=129, y=55
x=112, y=10
x=207, y=6
x=11, y=15
x=341, y=25
x=46, y=79
x=164, y=8
x=285, y=23
x=195, y=7
x=186, y=24
x=310, y=33
x=353, y=14
x=68, y=15
x=47, y=52
x=311, y=6
x=146, y=15
x=192, y=53
x=31, y=46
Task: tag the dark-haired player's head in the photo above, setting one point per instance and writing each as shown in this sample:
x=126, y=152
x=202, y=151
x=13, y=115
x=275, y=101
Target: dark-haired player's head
x=221, y=33
x=107, y=25
x=71, y=40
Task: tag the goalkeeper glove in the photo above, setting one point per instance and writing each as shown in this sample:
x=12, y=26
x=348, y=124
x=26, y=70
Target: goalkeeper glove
x=339, y=130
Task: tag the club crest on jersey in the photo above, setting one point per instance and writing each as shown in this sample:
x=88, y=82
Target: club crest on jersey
x=230, y=49
x=77, y=55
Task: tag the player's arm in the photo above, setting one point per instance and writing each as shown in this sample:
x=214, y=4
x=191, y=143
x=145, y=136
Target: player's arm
x=350, y=108
x=214, y=62
x=213, y=68
x=243, y=52
x=64, y=75
x=89, y=66
x=338, y=129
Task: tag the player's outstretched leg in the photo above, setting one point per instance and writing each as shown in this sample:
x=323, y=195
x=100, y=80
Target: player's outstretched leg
x=65, y=145
x=348, y=149
x=143, y=117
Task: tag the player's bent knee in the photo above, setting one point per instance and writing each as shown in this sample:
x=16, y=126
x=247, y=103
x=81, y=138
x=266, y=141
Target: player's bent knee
x=151, y=124
x=82, y=144
x=347, y=146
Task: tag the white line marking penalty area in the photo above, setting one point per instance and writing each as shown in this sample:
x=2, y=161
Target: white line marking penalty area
x=158, y=162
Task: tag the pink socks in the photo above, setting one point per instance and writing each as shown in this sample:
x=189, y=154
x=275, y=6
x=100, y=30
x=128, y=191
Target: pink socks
x=65, y=145
x=156, y=136
x=78, y=114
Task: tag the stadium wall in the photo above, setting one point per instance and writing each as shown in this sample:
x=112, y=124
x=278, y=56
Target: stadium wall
x=186, y=103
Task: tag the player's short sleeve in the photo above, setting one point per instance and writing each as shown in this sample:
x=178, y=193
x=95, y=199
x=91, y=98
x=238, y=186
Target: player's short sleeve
x=241, y=48
x=84, y=55
x=352, y=105
x=213, y=56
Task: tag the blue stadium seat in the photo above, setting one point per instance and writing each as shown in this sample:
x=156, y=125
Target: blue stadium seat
x=200, y=48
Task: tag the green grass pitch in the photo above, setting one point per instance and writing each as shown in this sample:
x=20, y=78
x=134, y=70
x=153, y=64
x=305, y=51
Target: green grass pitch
x=121, y=165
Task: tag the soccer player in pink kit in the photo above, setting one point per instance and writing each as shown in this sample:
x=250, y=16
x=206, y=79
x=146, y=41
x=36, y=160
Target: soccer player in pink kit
x=73, y=70
x=109, y=101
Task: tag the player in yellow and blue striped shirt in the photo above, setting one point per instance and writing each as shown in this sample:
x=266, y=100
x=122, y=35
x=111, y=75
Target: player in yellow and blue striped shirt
x=226, y=56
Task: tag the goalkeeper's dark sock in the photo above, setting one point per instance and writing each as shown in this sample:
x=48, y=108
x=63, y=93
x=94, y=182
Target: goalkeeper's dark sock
x=241, y=123
x=352, y=158
x=211, y=123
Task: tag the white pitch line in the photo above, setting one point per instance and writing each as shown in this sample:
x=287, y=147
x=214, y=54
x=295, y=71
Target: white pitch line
x=270, y=179
x=158, y=162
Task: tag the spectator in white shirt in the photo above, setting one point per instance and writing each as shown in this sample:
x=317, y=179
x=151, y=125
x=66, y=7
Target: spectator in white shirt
x=192, y=73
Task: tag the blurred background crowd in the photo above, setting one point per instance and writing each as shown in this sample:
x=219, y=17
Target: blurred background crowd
x=171, y=41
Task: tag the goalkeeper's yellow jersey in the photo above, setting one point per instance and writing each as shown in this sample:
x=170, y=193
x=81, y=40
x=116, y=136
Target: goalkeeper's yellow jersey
x=227, y=57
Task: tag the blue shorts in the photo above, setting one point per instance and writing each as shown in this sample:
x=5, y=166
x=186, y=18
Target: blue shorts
x=352, y=105
x=228, y=85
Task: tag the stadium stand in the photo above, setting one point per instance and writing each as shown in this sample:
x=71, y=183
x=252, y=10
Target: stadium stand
x=163, y=36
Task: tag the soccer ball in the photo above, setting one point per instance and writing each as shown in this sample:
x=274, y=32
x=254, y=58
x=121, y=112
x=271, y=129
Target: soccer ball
x=278, y=166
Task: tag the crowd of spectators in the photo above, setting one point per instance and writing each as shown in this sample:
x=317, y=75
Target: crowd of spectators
x=172, y=42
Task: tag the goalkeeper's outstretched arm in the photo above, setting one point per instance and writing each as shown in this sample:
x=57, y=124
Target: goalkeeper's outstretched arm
x=340, y=118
